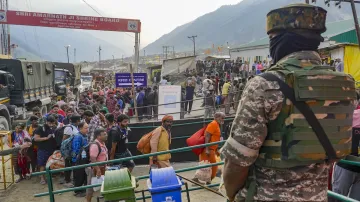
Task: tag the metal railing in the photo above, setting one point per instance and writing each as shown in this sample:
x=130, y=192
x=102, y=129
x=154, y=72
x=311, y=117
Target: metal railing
x=51, y=191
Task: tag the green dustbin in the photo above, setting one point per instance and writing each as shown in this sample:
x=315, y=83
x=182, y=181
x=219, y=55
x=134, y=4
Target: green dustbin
x=119, y=185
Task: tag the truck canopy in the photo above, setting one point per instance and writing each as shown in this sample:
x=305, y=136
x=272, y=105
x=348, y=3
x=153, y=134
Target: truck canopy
x=33, y=80
x=29, y=75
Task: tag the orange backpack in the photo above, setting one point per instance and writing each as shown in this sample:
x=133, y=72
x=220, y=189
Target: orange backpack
x=143, y=145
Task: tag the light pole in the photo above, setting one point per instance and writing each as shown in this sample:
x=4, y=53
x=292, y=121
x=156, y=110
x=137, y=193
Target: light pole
x=67, y=52
x=228, y=49
x=192, y=38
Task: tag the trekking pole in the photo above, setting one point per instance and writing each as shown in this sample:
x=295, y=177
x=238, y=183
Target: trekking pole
x=199, y=184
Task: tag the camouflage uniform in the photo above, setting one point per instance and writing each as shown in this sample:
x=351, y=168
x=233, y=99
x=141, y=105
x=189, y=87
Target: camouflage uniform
x=261, y=103
x=297, y=16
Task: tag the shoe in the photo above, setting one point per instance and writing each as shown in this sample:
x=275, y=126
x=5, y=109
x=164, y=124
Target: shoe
x=61, y=181
x=80, y=194
x=19, y=180
x=68, y=185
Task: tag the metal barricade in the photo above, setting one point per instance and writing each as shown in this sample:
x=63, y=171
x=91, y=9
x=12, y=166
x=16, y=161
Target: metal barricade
x=5, y=161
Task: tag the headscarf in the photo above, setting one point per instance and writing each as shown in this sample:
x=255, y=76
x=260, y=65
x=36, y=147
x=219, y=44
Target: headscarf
x=286, y=43
x=167, y=118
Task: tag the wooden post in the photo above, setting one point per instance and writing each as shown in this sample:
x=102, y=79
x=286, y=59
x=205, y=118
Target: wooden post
x=355, y=20
x=133, y=91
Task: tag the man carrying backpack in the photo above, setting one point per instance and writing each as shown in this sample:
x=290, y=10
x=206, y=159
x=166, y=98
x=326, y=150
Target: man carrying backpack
x=119, y=138
x=79, y=141
x=62, y=134
x=160, y=141
x=97, y=153
x=44, y=138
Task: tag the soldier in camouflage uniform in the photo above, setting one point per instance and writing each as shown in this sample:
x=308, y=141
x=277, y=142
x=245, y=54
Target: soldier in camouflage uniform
x=273, y=154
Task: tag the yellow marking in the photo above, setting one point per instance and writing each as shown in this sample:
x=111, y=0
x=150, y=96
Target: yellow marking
x=5, y=101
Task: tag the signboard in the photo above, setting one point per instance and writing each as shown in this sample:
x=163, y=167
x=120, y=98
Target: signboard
x=69, y=21
x=123, y=80
x=168, y=95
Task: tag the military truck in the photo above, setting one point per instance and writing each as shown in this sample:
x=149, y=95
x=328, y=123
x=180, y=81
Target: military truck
x=67, y=75
x=24, y=85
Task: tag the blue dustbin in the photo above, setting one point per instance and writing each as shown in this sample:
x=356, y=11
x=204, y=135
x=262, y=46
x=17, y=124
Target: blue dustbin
x=164, y=185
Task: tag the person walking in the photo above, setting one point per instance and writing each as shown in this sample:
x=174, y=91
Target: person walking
x=190, y=88
x=119, y=140
x=153, y=102
x=209, y=104
x=160, y=141
x=225, y=96
x=212, y=134
x=274, y=153
x=140, y=96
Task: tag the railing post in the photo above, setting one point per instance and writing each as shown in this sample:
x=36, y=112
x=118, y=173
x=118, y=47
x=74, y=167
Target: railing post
x=50, y=184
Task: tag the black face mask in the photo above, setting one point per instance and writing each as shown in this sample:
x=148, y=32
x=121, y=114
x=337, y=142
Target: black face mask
x=288, y=42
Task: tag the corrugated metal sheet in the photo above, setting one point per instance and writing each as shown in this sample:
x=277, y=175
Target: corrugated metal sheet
x=346, y=37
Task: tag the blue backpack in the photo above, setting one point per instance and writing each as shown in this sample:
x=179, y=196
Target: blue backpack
x=65, y=148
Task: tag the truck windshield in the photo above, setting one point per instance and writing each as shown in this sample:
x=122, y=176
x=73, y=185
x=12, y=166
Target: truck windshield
x=60, y=76
x=86, y=78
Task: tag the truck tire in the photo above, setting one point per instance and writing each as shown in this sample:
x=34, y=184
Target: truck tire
x=4, y=125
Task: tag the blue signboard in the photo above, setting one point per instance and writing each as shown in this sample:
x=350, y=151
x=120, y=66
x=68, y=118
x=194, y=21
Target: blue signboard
x=123, y=80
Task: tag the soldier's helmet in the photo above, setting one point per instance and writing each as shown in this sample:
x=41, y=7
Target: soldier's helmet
x=297, y=17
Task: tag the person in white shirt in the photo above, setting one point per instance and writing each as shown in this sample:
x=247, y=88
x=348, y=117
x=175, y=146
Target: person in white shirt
x=69, y=131
x=163, y=82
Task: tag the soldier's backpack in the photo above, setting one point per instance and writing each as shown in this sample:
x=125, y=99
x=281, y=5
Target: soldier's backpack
x=315, y=122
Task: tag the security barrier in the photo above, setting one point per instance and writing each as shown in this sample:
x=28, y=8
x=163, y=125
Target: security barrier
x=48, y=172
x=52, y=192
x=4, y=162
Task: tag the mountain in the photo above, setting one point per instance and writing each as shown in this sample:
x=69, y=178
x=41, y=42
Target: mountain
x=235, y=24
x=43, y=43
x=49, y=44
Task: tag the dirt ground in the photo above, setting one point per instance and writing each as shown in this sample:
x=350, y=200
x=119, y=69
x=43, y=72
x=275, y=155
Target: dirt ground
x=25, y=190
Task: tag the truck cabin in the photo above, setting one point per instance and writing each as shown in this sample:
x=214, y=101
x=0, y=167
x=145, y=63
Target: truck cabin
x=87, y=79
x=7, y=82
x=62, y=79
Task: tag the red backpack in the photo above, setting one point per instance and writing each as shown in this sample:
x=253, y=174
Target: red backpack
x=197, y=138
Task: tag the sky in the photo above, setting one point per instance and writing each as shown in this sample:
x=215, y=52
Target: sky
x=158, y=17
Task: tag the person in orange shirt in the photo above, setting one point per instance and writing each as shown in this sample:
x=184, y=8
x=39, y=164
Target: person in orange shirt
x=212, y=134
